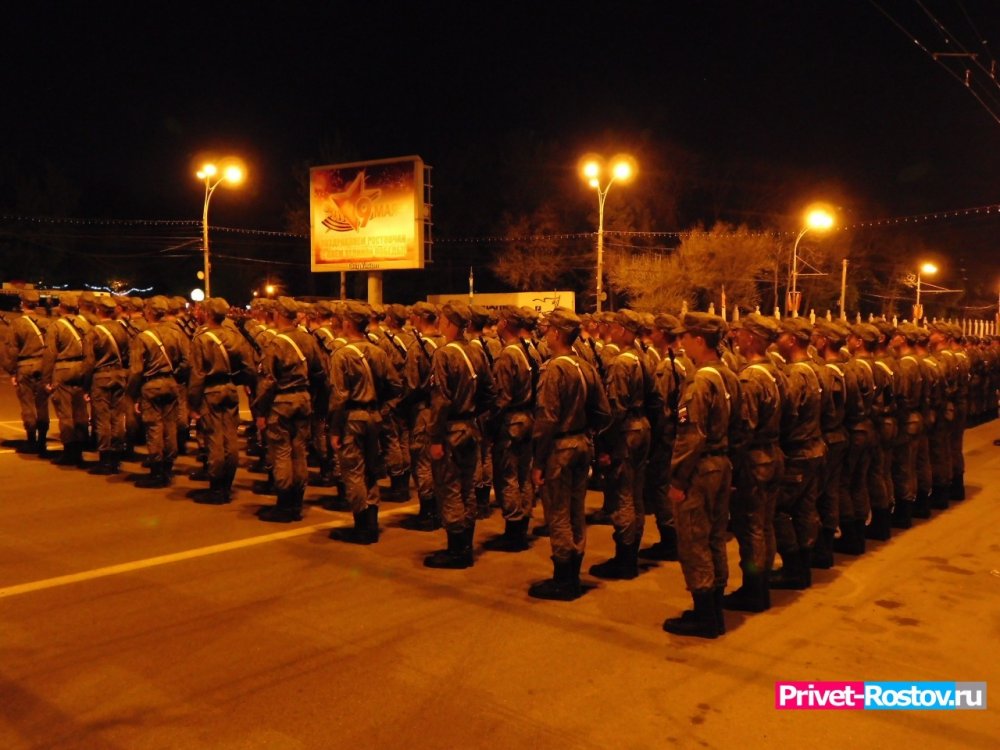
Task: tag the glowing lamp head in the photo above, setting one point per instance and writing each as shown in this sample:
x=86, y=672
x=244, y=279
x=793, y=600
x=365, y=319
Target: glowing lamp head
x=928, y=269
x=269, y=289
x=622, y=171
x=594, y=183
x=233, y=174
x=819, y=219
x=208, y=170
x=197, y=295
x=591, y=170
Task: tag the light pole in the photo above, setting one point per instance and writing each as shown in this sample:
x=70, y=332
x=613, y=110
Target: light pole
x=592, y=168
x=818, y=220
x=232, y=174
x=928, y=269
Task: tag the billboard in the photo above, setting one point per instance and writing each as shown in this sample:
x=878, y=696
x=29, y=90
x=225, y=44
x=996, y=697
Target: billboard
x=367, y=216
x=540, y=301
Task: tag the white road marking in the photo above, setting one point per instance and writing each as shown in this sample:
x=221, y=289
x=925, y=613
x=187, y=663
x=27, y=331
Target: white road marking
x=191, y=554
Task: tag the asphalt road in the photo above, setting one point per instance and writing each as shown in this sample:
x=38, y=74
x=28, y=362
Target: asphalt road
x=137, y=619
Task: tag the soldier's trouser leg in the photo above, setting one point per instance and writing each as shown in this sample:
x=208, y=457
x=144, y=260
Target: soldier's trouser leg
x=397, y=457
x=31, y=396
x=455, y=477
x=420, y=459
x=355, y=457
x=484, y=462
x=71, y=408
x=752, y=510
x=957, y=442
x=795, y=520
x=940, y=453
x=158, y=404
x=512, y=467
x=902, y=470
x=701, y=519
x=106, y=399
x=183, y=415
x=629, y=517
x=828, y=500
x=219, y=424
x=859, y=461
x=318, y=436
x=923, y=464
x=563, y=497
x=287, y=437
x=658, y=483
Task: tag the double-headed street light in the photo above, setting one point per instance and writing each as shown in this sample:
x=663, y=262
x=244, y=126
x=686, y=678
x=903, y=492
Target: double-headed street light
x=622, y=168
x=817, y=219
x=927, y=269
x=232, y=173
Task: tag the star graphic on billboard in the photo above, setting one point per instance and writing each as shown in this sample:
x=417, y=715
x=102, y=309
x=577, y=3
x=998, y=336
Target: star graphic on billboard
x=354, y=206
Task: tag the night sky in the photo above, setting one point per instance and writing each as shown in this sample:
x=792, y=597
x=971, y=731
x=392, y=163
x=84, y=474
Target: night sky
x=120, y=105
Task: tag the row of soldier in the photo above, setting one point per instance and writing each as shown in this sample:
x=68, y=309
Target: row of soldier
x=807, y=439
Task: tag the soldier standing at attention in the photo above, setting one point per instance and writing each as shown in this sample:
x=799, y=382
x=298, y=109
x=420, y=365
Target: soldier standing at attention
x=941, y=435
x=221, y=361
x=963, y=378
x=395, y=344
x=625, y=445
x=156, y=355
x=514, y=378
x=105, y=370
x=290, y=370
x=479, y=319
x=795, y=520
x=909, y=398
x=462, y=389
x=701, y=475
x=362, y=380
x=571, y=408
x=181, y=326
x=758, y=463
x=26, y=349
x=62, y=367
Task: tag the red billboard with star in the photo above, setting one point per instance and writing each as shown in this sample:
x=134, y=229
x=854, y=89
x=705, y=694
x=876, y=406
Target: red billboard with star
x=367, y=216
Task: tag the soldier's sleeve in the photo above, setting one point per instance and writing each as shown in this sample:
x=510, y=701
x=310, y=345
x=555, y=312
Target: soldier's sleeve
x=692, y=432
x=486, y=390
x=89, y=358
x=391, y=389
x=267, y=385
x=652, y=400
x=182, y=367
x=441, y=397
x=504, y=370
x=8, y=352
x=749, y=414
x=598, y=408
x=244, y=371
x=546, y=422
x=51, y=350
x=135, y=366
x=196, y=384
x=318, y=380
x=339, y=391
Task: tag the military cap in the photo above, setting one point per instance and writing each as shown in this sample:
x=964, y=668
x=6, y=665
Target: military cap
x=512, y=315
x=397, y=312
x=108, y=302
x=700, y=324
x=565, y=320
x=884, y=327
x=908, y=331
x=136, y=303
x=87, y=298
x=605, y=318
x=765, y=327
x=479, y=316
x=866, y=332
x=158, y=303
x=68, y=300
x=287, y=307
x=972, y=339
x=30, y=296
x=457, y=312
x=216, y=306
x=176, y=304
x=956, y=331
x=359, y=313
x=832, y=330
x=666, y=322
x=529, y=316
x=630, y=320
x=425, y=310
x=800, y=328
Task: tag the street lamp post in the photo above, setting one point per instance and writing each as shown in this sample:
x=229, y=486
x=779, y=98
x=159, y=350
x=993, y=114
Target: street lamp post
x=622, y=169
x=928, y=269
x=818, y=220
x=233, y=174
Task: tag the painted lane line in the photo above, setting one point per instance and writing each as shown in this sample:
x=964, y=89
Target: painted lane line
x=191, y=554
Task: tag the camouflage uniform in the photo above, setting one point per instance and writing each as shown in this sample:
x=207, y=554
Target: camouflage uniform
x=105, y=363
x=909, y=398
x=25, y=350
x=62, y=368
x=862, y=397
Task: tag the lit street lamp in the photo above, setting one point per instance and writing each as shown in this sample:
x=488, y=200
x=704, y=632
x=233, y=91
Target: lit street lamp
x=232, y=174
x=592, y=169
x=817, y=220
x=927, y=269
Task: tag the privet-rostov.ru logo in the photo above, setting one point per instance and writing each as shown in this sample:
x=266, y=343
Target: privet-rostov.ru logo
x=880, y=695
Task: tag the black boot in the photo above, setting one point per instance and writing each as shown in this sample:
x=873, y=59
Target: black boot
x=106, y=465
x=718, y=594
x=541, y=529
x=822, y=556
x=427, y=518
x=563, y=586
x=288, y=509
x=398, y=490
x=791, y=575
x=880, y=529
x=216, y=494
x=30, y=444
x=922, y=505
x=454, y=557
x=665, y=549
x=43, y=443
x=599, y=518
x=264, y=486
x=939, y=497
x=902, y=514
x=156, y=478
x=200, y=474
x=68, y=457
x=623, y=566
x=958, y=487
x=364, y=531
x=750, y=596
x=513, y=539
x=483, y=508
x=805, y=555
x=703, y=623
x=326, y=476
x=847, y=542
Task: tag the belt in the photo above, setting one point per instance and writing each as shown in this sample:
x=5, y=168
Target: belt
x=569, y=433
x=70, y=359
x=33, y=356
x=361, y=406
x=295, y=389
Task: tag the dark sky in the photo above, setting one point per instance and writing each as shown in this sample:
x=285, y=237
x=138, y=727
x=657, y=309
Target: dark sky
x=123, y=102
